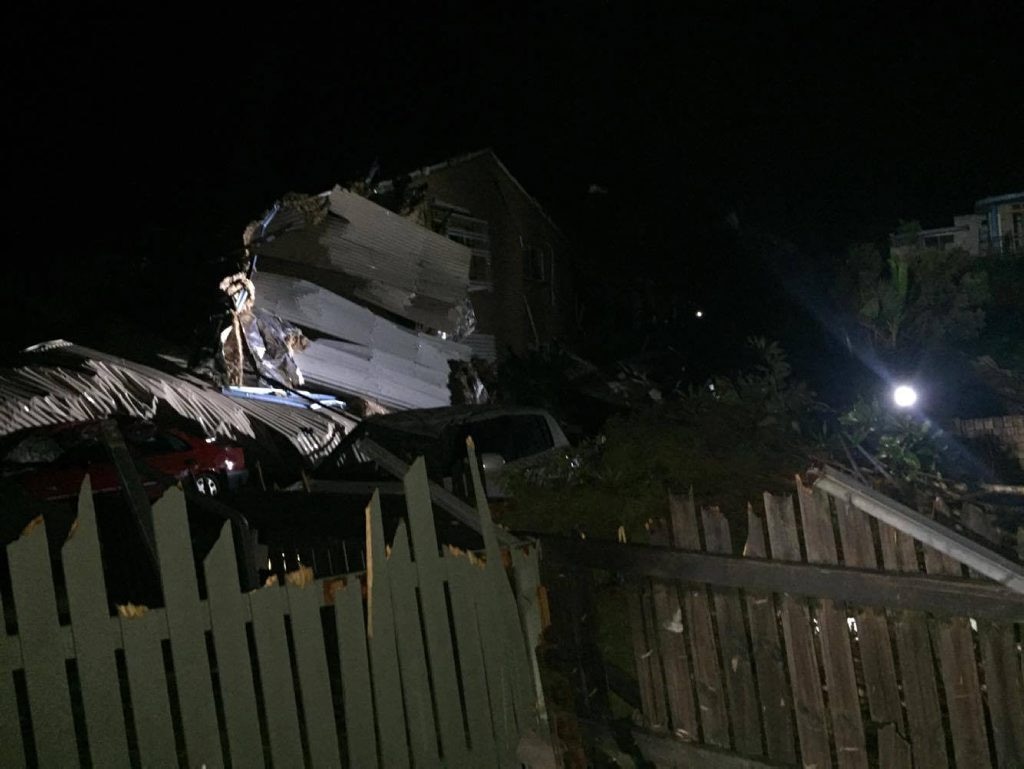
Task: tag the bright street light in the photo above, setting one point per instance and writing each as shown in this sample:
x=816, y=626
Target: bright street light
x=904, y=396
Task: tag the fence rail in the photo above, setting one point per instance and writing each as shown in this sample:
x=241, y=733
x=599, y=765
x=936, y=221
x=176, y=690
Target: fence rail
x=421, y=660
x=940, y=594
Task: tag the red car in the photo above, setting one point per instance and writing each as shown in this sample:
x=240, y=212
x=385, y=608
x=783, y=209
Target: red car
x=50, y=463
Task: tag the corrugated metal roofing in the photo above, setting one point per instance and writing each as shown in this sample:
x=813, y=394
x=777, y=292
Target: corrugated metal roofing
x=312, y=306
x=390, y=380
x=382, y=259
x=377, y=359
x=63, y=382
x=482, y=346
x=315, y=433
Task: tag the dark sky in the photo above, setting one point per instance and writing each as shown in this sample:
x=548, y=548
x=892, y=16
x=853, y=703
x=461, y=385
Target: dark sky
x=138, y=137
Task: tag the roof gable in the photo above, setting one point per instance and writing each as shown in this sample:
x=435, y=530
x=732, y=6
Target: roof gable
x=487, y=152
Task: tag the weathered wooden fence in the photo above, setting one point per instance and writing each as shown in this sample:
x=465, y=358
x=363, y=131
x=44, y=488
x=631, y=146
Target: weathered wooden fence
x=823, y=645
x=419, y=661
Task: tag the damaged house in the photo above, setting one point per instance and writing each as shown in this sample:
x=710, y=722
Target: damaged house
x=470, y=267
x=382, y=299
x=521, y=281
x=338, y=296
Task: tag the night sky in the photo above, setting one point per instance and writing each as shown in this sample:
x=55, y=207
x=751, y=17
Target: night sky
x=139, y=146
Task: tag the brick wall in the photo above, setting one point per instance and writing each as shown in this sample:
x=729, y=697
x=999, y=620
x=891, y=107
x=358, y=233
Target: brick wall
x=1009, y=429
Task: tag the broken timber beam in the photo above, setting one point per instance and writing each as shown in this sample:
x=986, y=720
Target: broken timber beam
x=131, y=483
x=921, y=527
x=444, y=499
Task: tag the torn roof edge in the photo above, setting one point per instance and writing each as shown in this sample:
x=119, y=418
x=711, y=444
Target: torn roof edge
x=115, y=386
x=424, y=171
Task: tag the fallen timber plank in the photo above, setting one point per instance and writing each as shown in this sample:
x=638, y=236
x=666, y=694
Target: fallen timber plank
x=461, y=511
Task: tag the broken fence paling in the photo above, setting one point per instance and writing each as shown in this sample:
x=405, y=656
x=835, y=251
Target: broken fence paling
x=848, y=666
x=431, y=667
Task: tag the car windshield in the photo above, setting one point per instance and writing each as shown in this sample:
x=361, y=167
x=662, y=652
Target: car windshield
x=512, y=436
x=83, y=444
x=35, y=449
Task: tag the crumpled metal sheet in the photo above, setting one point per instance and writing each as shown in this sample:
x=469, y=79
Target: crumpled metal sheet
x=271, y=341
x=463, y=320
x=315, y=433
x=62, y=382
x=293, y=212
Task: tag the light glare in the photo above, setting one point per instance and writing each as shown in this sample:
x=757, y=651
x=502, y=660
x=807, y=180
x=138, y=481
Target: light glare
x=904, y=396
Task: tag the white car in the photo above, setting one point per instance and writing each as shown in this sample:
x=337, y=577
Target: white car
x=506, y=437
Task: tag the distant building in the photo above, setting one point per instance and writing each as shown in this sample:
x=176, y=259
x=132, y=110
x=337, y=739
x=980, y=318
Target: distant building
x=520, y=277
x=1002, y=231
x=996, y=228
x=965, y=233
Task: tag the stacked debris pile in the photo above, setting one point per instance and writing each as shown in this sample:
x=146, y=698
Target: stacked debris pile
x=372, y=305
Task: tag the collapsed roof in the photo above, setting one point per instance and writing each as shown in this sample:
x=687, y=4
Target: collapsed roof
x=389, y=269
x=59, y=382
x=352, y=246
x=369, y=355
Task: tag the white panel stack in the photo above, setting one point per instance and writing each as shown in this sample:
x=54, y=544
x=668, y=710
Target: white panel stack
x=369, y=356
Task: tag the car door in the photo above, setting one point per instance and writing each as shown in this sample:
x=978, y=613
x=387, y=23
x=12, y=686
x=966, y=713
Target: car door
x=166, y=454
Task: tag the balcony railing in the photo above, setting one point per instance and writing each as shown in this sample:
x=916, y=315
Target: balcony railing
x=1006, y=246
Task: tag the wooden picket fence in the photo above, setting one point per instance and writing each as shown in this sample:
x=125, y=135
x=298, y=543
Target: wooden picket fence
x=822, y=646
x=421, y=660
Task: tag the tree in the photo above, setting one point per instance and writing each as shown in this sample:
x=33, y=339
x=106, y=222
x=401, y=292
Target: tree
x=883, y=302
x=916, y=296
x=731, y=439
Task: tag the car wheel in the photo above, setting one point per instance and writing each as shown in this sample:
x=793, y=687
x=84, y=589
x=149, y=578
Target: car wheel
x=208, y=485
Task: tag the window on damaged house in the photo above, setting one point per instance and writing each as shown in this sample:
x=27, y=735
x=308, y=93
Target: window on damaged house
x=456, y=224
x=536, y=263
x=940, y=242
